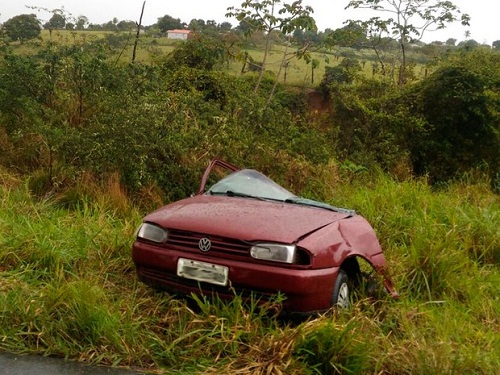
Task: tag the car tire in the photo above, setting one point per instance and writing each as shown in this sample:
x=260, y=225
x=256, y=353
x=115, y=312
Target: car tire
x=341, y=297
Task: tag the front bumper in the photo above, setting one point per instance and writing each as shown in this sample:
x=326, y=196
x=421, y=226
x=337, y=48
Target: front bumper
x=306, y=290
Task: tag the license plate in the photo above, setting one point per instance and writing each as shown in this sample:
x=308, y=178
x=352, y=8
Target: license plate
x=201, y=271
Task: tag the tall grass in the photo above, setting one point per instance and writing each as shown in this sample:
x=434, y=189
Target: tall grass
x=68, y=288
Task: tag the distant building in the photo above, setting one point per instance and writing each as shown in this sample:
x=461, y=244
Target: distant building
x=178, y=34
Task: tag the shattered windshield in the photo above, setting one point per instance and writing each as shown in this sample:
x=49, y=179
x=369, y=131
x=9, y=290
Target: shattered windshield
x=251, y=183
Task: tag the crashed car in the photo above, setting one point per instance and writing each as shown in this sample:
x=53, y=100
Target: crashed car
x=248, y=235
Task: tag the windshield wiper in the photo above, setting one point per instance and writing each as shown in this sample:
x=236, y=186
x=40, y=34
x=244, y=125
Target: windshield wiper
x=231, y=193
x=313, y=203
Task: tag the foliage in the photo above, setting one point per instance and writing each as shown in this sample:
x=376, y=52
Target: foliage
x=76, y=108
x=369, y=122
x=481, y=61
x=57, y=21
x=268, y=18
x=167, y=22
x=265, y=17
x=443, y=126
x=407, y=21
x=350, y=35
x=482, y=66
x=23, y=27
x=199, y=52
x=460, y=134
x=59, y=90
x=85, y=113
x=345, y=72
x=81, y=22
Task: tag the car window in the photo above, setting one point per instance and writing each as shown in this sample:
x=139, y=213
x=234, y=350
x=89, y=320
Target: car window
x=252, y=183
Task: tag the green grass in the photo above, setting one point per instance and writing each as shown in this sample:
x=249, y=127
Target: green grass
x=68, y=289
x=299, y=73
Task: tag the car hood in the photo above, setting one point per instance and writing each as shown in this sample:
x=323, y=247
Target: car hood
x=244, y=218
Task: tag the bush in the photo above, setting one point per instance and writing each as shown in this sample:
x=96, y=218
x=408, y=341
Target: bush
x=459, y=134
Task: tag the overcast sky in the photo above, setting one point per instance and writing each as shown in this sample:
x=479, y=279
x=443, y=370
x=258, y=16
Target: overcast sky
x=327, y=13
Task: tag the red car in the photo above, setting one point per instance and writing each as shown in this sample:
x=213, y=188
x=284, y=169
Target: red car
x=246, y=234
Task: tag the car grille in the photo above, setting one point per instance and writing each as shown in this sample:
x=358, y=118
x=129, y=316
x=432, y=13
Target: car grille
x=219, y=245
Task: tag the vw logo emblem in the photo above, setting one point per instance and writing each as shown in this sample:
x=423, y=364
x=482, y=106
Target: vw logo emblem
x=204, y=244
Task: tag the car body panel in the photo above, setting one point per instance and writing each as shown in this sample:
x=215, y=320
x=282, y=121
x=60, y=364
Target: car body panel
x=343, y=238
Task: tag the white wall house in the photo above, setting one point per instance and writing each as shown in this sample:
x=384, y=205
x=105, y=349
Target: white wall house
x=178, y=34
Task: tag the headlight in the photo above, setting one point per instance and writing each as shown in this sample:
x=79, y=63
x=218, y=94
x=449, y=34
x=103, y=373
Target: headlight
x=274, y=252
x=152, y=232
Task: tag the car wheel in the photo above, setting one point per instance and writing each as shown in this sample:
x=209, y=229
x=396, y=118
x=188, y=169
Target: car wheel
x=341, y=291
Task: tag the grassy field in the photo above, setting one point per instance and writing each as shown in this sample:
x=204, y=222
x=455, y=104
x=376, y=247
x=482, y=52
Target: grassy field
x=68, y=288
x=299, y=73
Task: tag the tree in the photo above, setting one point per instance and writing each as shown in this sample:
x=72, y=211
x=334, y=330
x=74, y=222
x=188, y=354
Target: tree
x=109, y=26
x=496, y=44
x=57, y=21
x=81, y=22
x=451, y=42
x=344, y=73
x=271, y=17
x=200, y=52
x=167, y=22
x=244, y=27
x=138, y=32
x=351, y=35
x=196, y=25
x=126, y=25
x=460, y=133
x=225, y=26
x=23, y=27
x=469, y=43
x=408, y=20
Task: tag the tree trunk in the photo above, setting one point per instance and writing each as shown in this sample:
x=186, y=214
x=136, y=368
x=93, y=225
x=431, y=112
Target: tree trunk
x=264, y=62
x=138, y=32
x=283, y=62
x=402, y=69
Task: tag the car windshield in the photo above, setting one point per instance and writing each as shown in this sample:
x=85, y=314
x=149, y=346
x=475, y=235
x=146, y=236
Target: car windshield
x=251, y=183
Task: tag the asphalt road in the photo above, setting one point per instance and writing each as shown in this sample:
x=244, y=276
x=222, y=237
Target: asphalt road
x=14, y=364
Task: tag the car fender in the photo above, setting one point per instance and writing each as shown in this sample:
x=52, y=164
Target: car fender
x=333, y=243
x=351, y=237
